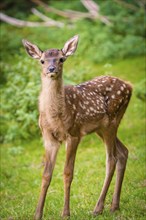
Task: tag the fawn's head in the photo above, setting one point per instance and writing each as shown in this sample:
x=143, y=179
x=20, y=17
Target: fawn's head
x=52, y=60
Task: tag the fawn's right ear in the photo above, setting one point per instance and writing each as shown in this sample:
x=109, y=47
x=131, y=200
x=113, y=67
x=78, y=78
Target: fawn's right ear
x=70, y=46
x=32, y=49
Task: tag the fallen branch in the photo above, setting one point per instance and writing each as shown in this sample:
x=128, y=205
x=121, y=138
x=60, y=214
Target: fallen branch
x=47, y=19
x=51, y=9
x=21, y=23
x=94, y=9
x=72, y=15
x=91, y=6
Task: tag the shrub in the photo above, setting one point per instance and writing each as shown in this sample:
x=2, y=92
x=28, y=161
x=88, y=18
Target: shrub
x=140, y=90
x=19, y=99
x=20, y=80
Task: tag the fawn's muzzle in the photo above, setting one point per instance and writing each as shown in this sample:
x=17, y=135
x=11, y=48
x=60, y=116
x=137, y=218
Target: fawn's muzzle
x=51, y=69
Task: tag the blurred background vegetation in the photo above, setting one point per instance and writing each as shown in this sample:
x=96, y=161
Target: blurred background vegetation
x=99, y=44
x=112, y=42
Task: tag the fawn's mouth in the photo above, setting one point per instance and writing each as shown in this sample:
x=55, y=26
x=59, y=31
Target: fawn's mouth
x=52, y=75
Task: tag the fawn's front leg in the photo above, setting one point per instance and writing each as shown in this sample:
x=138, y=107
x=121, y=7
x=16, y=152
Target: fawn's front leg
x=50, y=158
x=71, y=148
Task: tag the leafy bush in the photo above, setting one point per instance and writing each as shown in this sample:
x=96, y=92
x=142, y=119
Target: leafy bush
x=140, y=90
x=19, y=99
x=20, y=80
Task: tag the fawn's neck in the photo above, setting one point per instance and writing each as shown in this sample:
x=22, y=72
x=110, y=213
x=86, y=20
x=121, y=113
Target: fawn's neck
x=51, y=100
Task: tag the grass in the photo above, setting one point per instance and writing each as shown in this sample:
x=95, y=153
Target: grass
x=21, y=164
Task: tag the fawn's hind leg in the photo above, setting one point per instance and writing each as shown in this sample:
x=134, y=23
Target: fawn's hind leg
x=122, y=155
x=110, y=142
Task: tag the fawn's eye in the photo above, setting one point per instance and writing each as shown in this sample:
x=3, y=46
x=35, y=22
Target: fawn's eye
x=42, y=61
x=61, y=60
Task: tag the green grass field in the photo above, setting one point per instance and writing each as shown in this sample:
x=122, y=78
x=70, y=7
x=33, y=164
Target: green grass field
x=21, y=164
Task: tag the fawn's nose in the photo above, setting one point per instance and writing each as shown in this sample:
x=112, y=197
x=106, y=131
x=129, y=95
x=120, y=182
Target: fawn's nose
x=51, y=69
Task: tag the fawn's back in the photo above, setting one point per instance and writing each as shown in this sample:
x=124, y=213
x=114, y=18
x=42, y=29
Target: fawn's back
x=92, y=102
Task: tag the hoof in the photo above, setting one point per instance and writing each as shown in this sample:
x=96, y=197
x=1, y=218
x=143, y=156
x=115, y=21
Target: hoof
x=114, y=209
x=95, y=213
x=37, y=217
x=98, y=210
x=65, y=215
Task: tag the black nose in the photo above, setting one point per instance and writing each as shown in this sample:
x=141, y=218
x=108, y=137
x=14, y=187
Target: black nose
x=51, y=69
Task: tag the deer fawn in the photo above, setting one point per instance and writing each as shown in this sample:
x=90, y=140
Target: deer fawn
x=67, y=113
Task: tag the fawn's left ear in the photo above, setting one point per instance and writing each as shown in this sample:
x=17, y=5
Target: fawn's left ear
x=32, y=49
x=70, y=46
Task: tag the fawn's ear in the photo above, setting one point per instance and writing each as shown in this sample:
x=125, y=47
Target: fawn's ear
x=70, y=46
x=32, y=49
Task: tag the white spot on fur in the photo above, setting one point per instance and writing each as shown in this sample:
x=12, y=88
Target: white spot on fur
x=88, y=98
x=74, y=107
x=92, y=109
x=108, y=89
x=86, y=102
x=68, y=101
x=122, y=88
x=74, y=96
x=101, y=106
x=113, y=96
x=106, y=98
x=118, y=92
x=82, y=106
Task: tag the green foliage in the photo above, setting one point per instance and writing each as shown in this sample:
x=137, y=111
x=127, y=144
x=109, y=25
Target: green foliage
x=19, y=99
x=140, y=90
x=99, y=44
